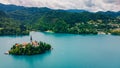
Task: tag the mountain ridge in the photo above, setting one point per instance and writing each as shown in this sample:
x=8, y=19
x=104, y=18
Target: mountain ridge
x=10, y=7
x=59, y=21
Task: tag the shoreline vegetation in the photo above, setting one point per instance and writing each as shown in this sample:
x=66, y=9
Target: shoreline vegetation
x=50, y=31
x=31, y=48
x=22, y=20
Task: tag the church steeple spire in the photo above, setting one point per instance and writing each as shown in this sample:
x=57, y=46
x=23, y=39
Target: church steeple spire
x=30, y=38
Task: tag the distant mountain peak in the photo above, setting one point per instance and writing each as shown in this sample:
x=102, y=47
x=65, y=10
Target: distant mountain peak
x=90, y=5
x=11, y=7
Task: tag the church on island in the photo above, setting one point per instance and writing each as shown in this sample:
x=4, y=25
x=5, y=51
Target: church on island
x=31, y=48
x=33, y=43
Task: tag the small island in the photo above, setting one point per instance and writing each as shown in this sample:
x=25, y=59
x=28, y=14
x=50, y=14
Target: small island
x=31, y=48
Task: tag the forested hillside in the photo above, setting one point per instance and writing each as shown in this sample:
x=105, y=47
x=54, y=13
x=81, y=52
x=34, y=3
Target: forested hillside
x=9, y=26
x=21, y=20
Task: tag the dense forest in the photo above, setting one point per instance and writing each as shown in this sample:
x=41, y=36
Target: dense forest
x=9, y=26
x=20, y=20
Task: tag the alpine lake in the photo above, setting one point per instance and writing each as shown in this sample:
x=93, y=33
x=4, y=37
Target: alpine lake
x=69, y=51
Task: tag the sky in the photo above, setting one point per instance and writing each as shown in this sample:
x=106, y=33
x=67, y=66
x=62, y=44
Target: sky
x=90, y=5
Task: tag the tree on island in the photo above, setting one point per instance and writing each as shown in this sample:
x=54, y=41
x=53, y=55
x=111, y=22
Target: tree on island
x=30, y=48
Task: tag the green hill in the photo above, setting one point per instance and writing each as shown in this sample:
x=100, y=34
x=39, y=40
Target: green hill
x=24, y=19
x=9, y=26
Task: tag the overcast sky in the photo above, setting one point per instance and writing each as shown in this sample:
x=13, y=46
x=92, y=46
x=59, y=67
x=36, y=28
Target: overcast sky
x=91, y=5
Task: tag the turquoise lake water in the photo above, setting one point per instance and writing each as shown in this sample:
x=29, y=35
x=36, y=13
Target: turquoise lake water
x=70, y=51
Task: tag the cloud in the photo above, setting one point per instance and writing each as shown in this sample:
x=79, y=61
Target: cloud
x=91, y=5
x=112, y=1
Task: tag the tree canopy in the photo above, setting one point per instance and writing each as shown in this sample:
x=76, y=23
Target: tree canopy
x=21, y=20
x=29, y=49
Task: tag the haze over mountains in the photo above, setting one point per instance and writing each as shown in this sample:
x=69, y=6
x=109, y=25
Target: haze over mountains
x=89, y=5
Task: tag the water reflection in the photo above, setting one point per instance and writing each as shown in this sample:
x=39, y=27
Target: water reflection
x=31, y=60
x=31, y=57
